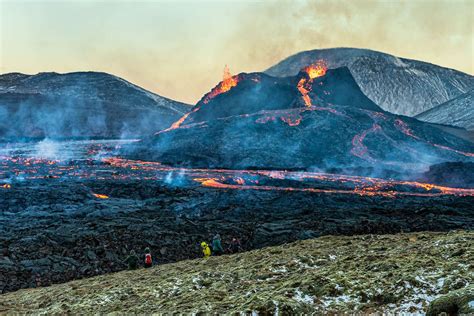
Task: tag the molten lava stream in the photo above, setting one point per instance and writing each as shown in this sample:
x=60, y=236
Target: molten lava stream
x=403, y=127
x=315, y=70
x=368, y=191
x=100, y=196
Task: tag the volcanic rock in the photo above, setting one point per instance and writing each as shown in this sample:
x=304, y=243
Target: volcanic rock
x=452, y=174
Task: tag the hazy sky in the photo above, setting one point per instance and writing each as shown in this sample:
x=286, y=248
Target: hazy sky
x=178, y=49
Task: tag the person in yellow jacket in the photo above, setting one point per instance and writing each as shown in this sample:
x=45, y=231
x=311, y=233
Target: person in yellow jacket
x=205, y=249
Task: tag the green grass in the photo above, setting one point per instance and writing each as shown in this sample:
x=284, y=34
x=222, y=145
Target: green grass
x=392, y=273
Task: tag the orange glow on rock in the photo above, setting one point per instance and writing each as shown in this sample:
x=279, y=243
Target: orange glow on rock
x=100, y=196
x=227, y=83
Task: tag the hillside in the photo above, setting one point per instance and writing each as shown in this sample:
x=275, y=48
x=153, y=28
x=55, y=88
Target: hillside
x=369, y=273
x=456, y=112
x=80, y=104
x=397, y=85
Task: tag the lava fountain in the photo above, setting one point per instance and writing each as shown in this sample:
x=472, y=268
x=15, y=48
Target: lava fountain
x=313, y=71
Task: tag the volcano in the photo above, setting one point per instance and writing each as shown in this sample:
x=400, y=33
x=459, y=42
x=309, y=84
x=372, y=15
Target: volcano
x=398, y=85
x=298, y=123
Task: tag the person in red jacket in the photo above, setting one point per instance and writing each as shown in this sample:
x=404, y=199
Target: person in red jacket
x=148, y=258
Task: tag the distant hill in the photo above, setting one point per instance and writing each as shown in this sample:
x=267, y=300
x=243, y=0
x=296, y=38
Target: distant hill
x=80, y=104
x=398, y=85
x=457, y=112
x=328, y=275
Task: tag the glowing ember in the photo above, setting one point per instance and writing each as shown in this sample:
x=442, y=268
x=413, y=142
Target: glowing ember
x=100, y=196
x=227, y=83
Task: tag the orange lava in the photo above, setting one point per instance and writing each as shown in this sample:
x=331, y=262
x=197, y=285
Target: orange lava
x=315, y=70
x=100, y=196
x=403, y=127
x=375, y=190
x=227, y=83
x=358, y=147
x=304, y=91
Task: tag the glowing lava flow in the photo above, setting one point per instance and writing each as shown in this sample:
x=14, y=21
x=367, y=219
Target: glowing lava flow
x=118, y=169
x=367, y=191
x=358, y=147
x=403, y=127
x=315, y=70
x=227, y=83
x=100, y=196
x=178, y=123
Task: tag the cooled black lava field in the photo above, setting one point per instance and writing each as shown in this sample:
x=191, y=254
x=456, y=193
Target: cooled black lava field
x=73, y=209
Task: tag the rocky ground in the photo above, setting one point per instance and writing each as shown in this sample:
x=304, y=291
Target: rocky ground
x=415, y=272
x=53, y=231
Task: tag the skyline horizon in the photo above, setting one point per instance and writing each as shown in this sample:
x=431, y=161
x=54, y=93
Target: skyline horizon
x=178, y=48
x=233, y=73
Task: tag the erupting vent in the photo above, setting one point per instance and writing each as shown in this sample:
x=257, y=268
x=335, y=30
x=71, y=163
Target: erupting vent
x=227, y=83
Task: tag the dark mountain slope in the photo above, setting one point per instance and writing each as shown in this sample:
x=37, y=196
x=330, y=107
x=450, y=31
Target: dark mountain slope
x=81, y=104
x=456, y=112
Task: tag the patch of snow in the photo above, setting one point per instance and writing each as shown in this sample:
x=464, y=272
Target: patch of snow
x=304, y=265
x=281, y=269
x=344, y=298
x=440, y=283
x=303, y=298
x=277, y=310
x=196, y=280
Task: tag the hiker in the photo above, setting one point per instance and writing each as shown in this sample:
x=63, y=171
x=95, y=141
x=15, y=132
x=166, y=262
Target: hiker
x=205, y=249
x=217, y=245
x=132, y=260
x=235, y=245
x=148, y=260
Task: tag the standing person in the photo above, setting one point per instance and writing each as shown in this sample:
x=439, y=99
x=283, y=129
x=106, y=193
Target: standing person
x=235, y=245
x=217, y=245
x=205, y=249
x=148, y=259
x=132, y=260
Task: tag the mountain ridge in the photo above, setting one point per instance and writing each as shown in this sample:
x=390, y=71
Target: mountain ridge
x=399, y=85
x=81, y=104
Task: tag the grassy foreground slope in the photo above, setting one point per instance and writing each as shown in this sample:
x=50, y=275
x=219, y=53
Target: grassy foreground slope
x=391, y=273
